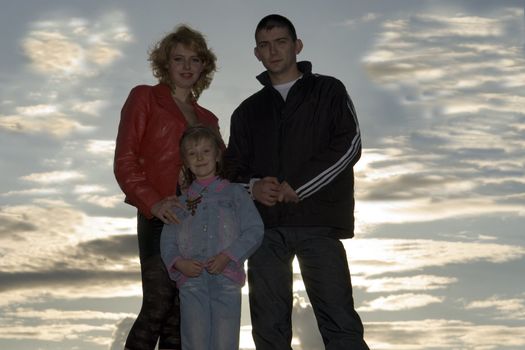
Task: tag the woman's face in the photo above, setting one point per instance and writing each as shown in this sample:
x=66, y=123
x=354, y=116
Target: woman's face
x=184, y=67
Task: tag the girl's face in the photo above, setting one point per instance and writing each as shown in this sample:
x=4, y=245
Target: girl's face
x=201, y=157
x=184, y=67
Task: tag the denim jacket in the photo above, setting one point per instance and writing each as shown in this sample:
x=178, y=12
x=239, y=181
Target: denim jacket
x=226, y=220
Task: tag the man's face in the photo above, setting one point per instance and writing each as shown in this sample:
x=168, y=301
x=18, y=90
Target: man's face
x=277, y=51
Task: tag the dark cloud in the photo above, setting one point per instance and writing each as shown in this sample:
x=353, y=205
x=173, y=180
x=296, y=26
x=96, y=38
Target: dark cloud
x=90, y=262
x=10, y=228
x=503, y=188
x=114, y=247
x=58, y=278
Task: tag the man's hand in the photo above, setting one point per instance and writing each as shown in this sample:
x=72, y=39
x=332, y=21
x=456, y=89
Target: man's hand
x=164, y=210
x=287, y=194
x=266, y=190
x=216, y=265
x=189, y=267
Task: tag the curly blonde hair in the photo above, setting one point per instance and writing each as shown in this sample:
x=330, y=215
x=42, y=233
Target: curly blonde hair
x=159, y=57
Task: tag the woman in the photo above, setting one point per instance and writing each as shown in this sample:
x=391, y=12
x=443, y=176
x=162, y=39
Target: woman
x=147, y=166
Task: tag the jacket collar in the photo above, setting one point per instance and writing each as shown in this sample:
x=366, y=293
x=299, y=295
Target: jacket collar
x=216, y=185
x=305, y=67
x=163, y=96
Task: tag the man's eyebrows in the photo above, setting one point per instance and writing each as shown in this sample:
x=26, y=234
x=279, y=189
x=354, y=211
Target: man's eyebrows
x=276, y=39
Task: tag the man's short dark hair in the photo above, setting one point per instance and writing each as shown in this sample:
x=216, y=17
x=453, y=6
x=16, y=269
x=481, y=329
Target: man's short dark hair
x=274, y=20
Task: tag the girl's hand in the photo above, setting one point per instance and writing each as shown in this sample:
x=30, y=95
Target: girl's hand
x=189, y=267
x=216, y=265
x=164, y=210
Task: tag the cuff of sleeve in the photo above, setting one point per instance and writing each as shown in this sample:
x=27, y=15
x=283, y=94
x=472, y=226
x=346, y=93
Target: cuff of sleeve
x=250, y=187
x=232, y=258
x=171, y=267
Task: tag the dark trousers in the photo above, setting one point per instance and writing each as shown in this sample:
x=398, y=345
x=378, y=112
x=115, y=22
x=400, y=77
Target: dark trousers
x=159, y=316
x=325, y=273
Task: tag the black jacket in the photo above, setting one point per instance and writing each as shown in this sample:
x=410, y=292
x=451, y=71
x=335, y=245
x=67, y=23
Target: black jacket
x=312, y=141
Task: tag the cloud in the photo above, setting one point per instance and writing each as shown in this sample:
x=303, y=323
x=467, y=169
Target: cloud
x=33, y=192
x=304, y=325
x=66, y=327
x=395, y=265
x=37, y=110
x=413, y=334
x=441, y=334
x=121, y=333
x=58, y=125
x=102, y=201
x=53, y=177
x=92, y=194
x=52, y=52
x=89, y=189
x=465, y=135
x=408, y=283
x=68, y=49
x=57, y=332
x=505, y=308
x=406, y=255
x=53, y=287
x=92, y=108
x=54, y=252
x=368, y=17
x=64, y=52
x=102, y=147
x=70, y=315
x=400, y=302
x=116, y=247
x=55, y=236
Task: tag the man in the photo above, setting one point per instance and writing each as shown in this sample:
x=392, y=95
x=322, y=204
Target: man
x=294, y=144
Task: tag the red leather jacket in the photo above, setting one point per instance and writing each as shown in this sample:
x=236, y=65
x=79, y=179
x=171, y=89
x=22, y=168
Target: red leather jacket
x=147, y=161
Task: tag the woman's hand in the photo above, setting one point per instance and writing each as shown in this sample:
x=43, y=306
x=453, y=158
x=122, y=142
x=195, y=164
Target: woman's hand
x=164, y=210
x=216, y=265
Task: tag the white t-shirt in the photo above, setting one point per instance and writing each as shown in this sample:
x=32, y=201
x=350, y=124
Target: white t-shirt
x=284, y=88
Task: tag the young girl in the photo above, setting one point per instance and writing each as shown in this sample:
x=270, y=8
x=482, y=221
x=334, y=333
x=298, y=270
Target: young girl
x=204, y=254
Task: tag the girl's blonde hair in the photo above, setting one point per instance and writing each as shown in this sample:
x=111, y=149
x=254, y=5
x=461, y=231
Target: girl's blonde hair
x=159, y=57
x=195, y=134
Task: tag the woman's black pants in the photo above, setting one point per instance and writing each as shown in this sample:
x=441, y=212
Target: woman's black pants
x=159, y=316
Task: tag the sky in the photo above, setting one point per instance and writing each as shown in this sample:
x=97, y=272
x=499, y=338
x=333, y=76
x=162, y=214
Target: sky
x=437, y=261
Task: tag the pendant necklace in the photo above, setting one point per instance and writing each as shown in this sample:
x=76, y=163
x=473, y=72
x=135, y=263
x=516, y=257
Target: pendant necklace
x=193, y=203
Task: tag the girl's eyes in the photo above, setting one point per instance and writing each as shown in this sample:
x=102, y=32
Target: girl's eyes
x=193, y=154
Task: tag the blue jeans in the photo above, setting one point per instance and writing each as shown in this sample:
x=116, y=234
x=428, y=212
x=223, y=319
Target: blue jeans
x=210, y=313
x=325, y=273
